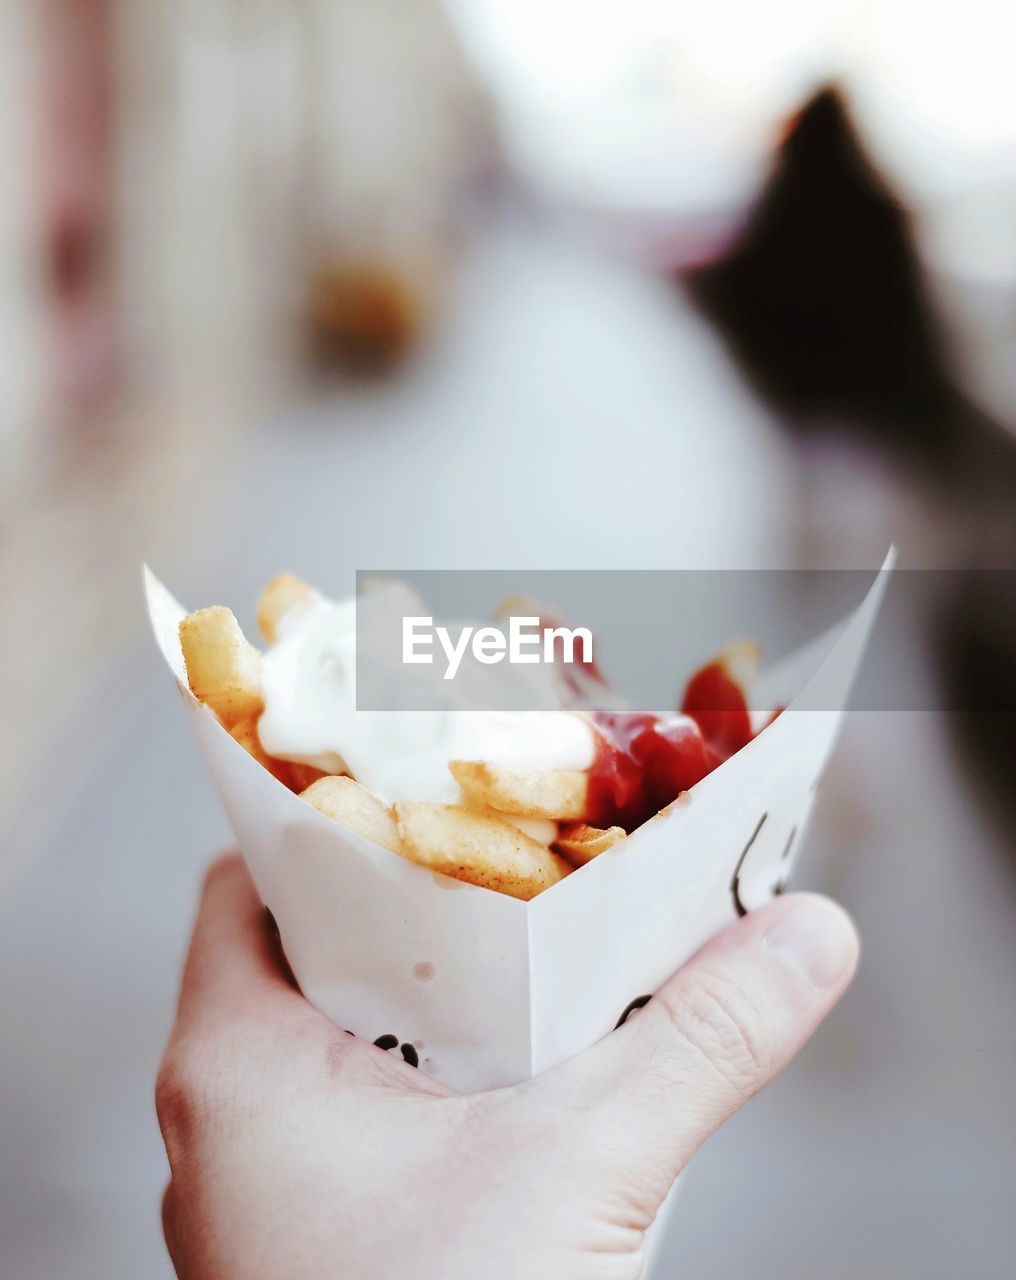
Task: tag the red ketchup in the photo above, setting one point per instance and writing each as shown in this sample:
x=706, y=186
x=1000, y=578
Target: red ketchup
x=643, y=762
x=716, y=701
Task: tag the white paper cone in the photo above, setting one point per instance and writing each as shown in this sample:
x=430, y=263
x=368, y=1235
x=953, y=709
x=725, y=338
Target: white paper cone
x=490, y=990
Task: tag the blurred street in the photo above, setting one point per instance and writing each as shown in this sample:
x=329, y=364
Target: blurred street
x=568, y=396
x=331, y=285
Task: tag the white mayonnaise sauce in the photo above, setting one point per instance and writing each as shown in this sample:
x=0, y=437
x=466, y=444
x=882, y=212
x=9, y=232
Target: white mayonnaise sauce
x=309, y=681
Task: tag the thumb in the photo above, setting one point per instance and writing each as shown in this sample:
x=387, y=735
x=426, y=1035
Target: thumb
x=714, y=1034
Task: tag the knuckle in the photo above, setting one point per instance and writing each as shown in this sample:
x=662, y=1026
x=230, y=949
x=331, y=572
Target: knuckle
x=723, y=1026
x=173, y=1096
x=184, y=1092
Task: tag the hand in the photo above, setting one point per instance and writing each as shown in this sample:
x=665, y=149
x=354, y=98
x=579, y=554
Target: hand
x=299, y=1151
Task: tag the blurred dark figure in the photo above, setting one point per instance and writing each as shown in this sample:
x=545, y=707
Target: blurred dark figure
x=979, y=652
x=822, y=300
x=823, y=304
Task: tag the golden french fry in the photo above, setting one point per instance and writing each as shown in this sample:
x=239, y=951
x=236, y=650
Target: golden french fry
x=223, y=667
x=354, y=807
x=246, y=733
x=561, y=794
x=284, y=595
x=542, y=830
x=484, y=850
x=581, y=843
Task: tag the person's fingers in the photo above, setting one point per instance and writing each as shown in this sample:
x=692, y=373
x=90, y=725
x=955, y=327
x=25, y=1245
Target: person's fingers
x=236, y=974
x=233, y=957
x=714, y=1034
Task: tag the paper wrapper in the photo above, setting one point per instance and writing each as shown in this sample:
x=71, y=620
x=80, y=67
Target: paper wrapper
x=490, y=990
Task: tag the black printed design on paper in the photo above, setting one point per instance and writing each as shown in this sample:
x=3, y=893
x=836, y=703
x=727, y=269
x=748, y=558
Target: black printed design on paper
x=408, y=1051
x=638, y=1003
x=781, y=884
x=780, y=873
x=735, y=884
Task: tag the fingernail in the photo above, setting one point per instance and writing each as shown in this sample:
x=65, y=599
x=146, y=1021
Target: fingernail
x=817, y=939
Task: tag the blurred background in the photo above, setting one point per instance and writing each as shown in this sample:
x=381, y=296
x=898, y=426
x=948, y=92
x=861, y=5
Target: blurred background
x=328, y=284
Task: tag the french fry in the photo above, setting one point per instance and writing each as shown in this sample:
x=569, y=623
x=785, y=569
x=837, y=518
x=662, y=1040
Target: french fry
x=471, y=846
x=354, y=807
x=581, y=843
x=561, y=794
x=246, y=733
x=223, y=667
x=542, y=830
x=284, y=595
